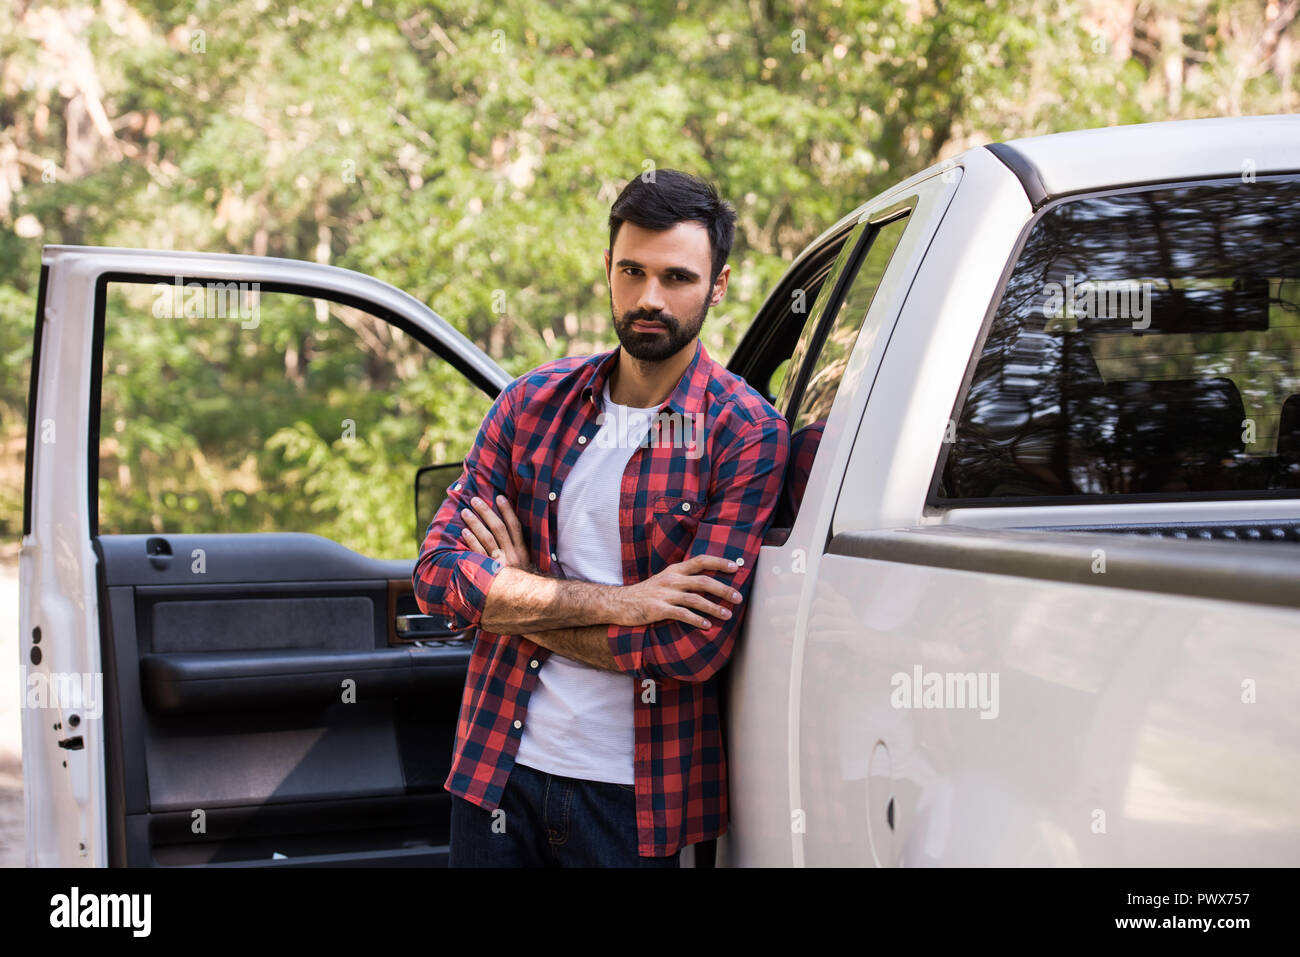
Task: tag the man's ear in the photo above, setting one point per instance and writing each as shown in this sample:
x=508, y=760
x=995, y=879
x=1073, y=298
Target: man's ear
x=720, y=285
x=606, y=263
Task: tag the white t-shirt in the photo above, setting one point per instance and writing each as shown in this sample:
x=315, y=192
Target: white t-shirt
x=580, y=720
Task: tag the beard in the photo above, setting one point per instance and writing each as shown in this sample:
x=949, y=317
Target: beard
x=656, y=346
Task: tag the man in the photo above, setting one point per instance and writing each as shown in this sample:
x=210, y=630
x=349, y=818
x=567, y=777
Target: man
x=602, y=539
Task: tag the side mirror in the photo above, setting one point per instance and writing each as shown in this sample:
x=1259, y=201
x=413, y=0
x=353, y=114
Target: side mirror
x=431, y=484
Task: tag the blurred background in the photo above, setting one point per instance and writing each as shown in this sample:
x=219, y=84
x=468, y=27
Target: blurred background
x=468, y=153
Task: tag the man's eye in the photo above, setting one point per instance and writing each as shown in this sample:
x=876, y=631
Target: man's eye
x=675, y=277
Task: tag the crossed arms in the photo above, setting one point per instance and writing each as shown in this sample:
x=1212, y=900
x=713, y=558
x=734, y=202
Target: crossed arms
x=572, y=618
x=673, y=625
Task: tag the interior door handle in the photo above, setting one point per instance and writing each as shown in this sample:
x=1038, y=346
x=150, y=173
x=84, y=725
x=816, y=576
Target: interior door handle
x=425, y=626
x=159, y=552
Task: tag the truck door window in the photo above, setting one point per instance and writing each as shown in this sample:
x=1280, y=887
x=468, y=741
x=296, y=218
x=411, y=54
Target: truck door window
x=229, y=410
x=1147, y=345
x=785, y=395
x=836, y=344
x=824, y=349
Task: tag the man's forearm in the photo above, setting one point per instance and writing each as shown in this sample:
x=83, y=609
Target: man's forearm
x=519, y=603
x=590, y=645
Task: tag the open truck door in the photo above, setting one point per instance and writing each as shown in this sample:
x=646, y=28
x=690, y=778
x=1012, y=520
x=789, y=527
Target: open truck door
x=196, y=696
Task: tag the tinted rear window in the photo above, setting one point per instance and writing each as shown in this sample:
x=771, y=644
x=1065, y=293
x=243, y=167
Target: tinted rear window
x=1147, y=343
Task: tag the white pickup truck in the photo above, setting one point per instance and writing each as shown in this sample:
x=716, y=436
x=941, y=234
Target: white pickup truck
x=1033, y=596
x=1039, y=603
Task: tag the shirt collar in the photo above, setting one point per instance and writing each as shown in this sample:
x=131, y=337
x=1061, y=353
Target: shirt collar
x=688, y=397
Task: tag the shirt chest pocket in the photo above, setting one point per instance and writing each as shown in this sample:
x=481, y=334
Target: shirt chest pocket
x=673, y=522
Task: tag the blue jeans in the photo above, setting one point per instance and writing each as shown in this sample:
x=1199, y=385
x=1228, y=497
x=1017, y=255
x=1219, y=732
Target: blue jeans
x=548, y=820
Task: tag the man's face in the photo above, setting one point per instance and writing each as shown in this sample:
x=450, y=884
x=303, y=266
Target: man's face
x=659, y=288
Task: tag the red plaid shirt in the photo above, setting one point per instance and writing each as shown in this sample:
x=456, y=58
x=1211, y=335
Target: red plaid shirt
x=713, y=496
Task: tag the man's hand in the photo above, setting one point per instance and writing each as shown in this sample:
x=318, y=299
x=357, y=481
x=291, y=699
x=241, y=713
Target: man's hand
x=677, y=593
x=486, y=533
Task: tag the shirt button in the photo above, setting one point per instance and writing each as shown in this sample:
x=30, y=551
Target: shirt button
x=534, y=663
x=553, y=557
x=740, y=561
x=519, y=724
x=551, y=496
x=686, y=506
x=582, y=440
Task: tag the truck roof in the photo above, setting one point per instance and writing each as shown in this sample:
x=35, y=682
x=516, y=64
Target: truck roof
x=1058, y=164
x=1062, y=163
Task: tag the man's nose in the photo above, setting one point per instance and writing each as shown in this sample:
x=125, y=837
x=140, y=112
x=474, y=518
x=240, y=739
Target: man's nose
x=651, y=298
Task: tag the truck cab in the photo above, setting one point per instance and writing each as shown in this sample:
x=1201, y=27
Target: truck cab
x=1038, y=563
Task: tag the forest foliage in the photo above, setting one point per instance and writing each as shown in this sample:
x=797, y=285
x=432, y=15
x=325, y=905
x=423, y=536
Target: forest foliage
x=467, y=152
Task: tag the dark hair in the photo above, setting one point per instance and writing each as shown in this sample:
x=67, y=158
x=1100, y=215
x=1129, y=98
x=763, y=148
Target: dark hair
x=674, y=197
